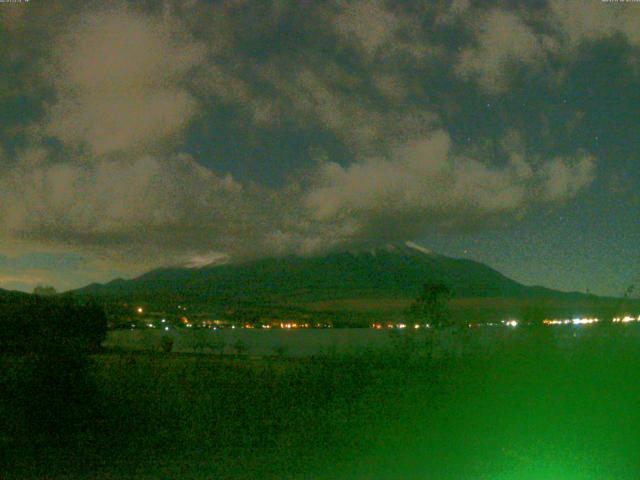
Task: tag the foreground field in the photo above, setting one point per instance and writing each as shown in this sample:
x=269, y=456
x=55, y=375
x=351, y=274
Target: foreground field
x=531, y=408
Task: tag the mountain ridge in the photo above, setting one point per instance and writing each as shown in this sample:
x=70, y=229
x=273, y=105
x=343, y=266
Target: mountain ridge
x=390, y=271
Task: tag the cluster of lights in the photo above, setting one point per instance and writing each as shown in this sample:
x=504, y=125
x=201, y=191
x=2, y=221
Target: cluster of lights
x=293, y=325
x=626, y=319
x=400, y=326
x=572, y=321
x=556, y=322
x=584, y=321
x=217, y=324
x=569, y=321
x=509, y=323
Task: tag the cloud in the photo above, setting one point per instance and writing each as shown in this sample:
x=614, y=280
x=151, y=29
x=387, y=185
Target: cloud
x=318, y=92
x=577, y=21
x=109, y=177
x=424, y=185
x=564, y=179
x=502, y=39
x=452, y=11
x=119, y=77
x=354, y=117
x=172, y=203
x=385, y=32
x=330, y=99
x=367, y=23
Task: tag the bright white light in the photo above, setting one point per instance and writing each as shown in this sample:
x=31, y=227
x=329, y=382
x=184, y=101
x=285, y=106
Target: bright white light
x=512, y=323
x=166, y=328
x=584, y=321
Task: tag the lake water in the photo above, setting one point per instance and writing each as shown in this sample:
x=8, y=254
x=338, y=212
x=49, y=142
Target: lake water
x=301, y=342
x=306, y=342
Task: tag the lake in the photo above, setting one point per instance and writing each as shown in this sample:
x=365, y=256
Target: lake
x=306, y=342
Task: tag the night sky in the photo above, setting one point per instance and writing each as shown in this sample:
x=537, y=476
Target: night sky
x=143, y=134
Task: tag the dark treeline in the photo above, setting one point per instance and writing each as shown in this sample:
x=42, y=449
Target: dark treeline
x=35, y=324
x=47, y=390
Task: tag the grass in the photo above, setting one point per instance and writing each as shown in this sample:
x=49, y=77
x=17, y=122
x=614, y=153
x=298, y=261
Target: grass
x=529, y=408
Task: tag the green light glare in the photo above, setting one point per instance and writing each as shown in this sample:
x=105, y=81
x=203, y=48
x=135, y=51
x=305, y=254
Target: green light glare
x=547, y=474
x=550, y=469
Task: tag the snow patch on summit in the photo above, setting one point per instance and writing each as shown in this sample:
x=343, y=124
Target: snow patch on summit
x=207, y=260
x=419, y=248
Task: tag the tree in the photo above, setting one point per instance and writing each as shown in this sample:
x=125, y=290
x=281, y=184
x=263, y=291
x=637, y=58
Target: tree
x=166, y=344
x=432, y=305
x=54, y=337
x=631, y=291
x=240, y=347
x=45, y=291
x=36, y=324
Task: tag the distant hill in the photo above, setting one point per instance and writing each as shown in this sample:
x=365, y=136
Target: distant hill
x=395, y=271
x=11, y=294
